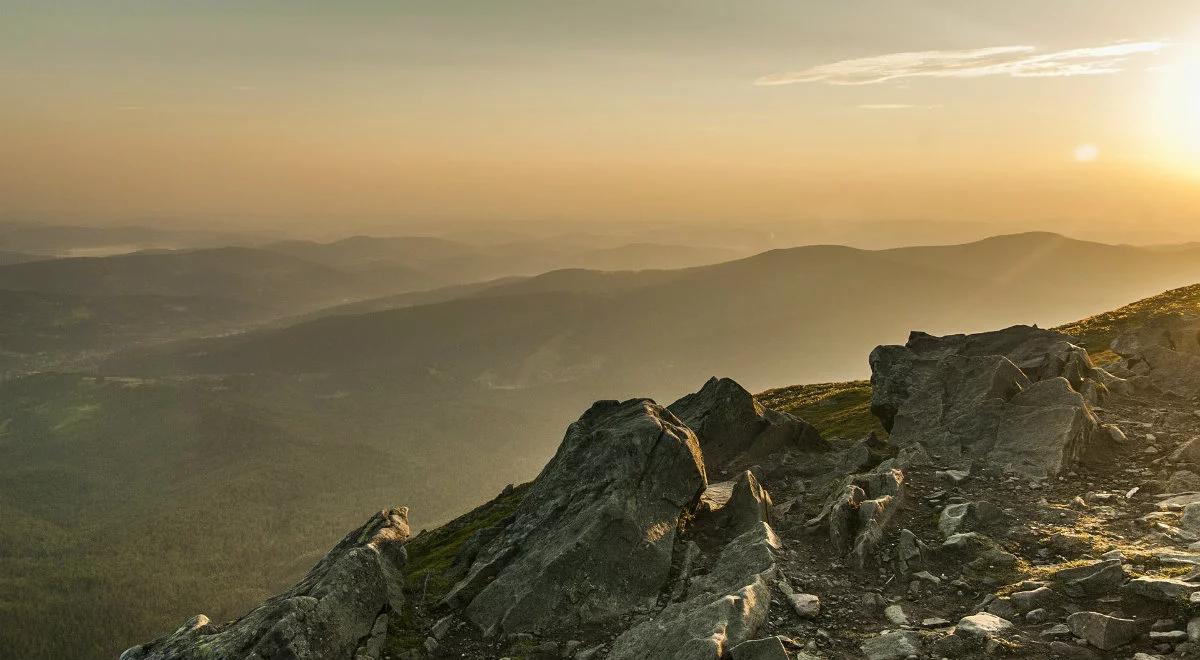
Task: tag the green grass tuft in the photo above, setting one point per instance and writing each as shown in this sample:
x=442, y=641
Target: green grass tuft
x=838, y=410
x=1097, y=333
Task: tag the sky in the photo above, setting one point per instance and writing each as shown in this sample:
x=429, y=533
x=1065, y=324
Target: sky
x=395, y=116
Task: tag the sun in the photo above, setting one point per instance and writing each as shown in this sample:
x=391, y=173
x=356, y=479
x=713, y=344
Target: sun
x=1177, y=111
x=1087, y=153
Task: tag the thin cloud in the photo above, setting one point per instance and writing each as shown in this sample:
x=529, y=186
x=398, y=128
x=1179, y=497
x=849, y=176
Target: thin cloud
x=1015, y=61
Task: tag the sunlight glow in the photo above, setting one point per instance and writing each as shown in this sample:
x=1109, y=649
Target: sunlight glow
x=1177, y=110
x=1087, y=153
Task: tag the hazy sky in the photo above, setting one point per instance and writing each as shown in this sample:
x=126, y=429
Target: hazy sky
x=378, y=114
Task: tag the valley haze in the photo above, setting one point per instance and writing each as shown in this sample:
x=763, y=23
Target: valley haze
x=547, y=330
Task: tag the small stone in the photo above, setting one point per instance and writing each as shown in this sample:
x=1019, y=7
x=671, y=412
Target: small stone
x=895, y=615
x=981, y=626
x=1057, y=630
x=807, y=606
x=927, y=577
x=896, y=645
x=1102, y=631
x=1168, y=636
x=1037, y=616
x=1033, y=599
x=442, y=626
x=934, y=622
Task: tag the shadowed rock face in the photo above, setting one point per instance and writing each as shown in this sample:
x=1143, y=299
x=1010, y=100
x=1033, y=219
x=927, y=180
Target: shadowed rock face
x=339, y=610
x=964, y=396
x=730, y=423
x=724, y=608
x=1164, y=355
x=593, y=538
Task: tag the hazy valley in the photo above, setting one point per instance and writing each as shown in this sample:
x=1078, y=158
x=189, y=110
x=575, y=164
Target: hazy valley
x=192, y=429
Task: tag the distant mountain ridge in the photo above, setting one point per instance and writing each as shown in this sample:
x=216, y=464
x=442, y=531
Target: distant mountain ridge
x=742, y=317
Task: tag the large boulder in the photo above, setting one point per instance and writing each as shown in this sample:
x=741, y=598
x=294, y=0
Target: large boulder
x=1001, y=397
x=723, y=608
x=593, y=537
x=339, y=610
x=1163, y=354
x=731, y=423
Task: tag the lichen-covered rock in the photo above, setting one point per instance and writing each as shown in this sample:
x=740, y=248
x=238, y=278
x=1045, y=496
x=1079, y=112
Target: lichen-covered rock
x=339, y=610
x=593, y=537
x=991, y=397
x=730, y=423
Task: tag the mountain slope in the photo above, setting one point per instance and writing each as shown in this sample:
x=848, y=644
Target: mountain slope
x=47, y=330
x=800, y=314
x=243, y=274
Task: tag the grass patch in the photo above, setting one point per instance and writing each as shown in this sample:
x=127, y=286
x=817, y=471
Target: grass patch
x=432, y=553
x=838, y=410
x=1097, y=333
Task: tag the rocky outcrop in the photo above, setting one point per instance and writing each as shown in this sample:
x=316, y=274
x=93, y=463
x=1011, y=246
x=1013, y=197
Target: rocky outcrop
x=339, y=610
x=593, y=538
x=731, y=423
x=858, y=511
x=1164, y=355
x=724, y=608
x=732, y=507
x=1013, y=398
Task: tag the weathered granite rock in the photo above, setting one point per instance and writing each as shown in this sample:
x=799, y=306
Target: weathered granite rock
x=768, y=648
x=730, y=422
x=724, y=608
x=1183, y=481
x=859, y=510
x=1102, y=631
x=910, y=551
x=952, y=518
x=1166, y=590
x=1164, y=353
x=966, y=397
x=1033, y=599
x=339, y=610
x=733, y=507
x=1096, y=579
x=981, y=627
x=593, y=537
x=895, y=645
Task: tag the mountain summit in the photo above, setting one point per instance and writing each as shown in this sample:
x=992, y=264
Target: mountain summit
x=1023, y=501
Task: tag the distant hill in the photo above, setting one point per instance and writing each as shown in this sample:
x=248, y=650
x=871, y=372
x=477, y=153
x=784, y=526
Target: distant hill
x=248, y=275
x=431, y=262
x=7, y=258
x=41, y=331
x=68, y=240
x=808, y=314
